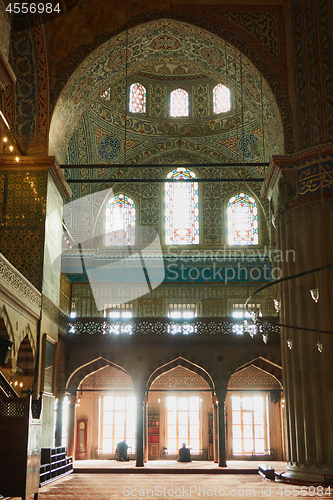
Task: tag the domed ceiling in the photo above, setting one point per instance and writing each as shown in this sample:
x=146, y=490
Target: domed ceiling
x=164, y=55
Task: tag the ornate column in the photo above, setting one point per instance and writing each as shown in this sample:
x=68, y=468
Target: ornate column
x=58, y=430
x=215, y=429
x=300, y=191
x=222, y=451
x=71, y=425
x=145, y=429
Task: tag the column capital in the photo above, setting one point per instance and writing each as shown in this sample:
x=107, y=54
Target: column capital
x=72, y=399
x=220, y=395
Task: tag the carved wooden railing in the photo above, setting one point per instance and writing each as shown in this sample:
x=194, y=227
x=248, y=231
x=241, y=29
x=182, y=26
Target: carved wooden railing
x=165, y=326
x=20, y=441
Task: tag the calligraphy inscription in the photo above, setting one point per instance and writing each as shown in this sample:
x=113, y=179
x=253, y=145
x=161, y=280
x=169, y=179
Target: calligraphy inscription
x=315, y=178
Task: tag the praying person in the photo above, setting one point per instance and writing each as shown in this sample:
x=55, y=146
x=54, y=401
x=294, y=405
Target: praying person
x=184, y=454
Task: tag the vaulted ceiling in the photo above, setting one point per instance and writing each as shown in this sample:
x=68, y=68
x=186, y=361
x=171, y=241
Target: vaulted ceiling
x=164, y=55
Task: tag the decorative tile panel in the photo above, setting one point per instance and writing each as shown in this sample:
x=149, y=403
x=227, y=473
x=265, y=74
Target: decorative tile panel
x=254, y=378
x=200, y=100
x=180, y=378
x=158, y=100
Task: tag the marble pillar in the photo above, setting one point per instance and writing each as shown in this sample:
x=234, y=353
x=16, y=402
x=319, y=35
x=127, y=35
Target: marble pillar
x=140, y=404
x=145, y=429
x=222, y=450
x=215, y=430
x=58, y=430
x=301, y=198
x=71, y=425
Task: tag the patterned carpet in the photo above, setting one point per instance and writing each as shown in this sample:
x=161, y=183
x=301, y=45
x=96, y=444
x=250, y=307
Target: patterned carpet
x=171, y=487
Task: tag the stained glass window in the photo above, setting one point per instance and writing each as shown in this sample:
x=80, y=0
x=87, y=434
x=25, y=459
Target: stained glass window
x=179, y=103
x=181, y=209
x=137, y=101
x=221, y=99
x=106, y=94
x=120, y=221
x=242, y=216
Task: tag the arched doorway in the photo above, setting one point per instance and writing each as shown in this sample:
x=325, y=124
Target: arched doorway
x=254, y=409
x=106, y=408
x=180, y=411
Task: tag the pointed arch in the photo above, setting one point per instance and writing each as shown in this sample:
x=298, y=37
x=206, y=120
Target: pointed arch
x=6, y=329
x=80, y=373
x=263, y=360
x=25, y=357
x=180, y=361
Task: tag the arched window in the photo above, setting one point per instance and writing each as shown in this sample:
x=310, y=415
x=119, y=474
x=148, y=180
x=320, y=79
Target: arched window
x=179, y=103
x=137, y=100
x=120, y=221
x=242, y=215
x=181, y=209
x=221, y=99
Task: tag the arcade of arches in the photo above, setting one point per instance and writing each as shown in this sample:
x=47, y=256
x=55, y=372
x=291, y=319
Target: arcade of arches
x=189, y=145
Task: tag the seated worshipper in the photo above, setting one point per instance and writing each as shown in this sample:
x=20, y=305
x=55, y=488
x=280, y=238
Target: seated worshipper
x=184, y=454
x=121, y=452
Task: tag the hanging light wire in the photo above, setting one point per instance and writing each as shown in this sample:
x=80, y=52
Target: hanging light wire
x=262, y=123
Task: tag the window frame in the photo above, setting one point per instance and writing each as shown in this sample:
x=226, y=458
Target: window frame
x=178, y=439
x=266, y=413
x=101, y=418
x=231, y=100
x=127, y=195
x=144, y=112
x=246, y=245
x=189, y=114
x=163, y=211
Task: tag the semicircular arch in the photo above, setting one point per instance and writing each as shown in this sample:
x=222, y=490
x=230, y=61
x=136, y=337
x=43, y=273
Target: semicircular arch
x=116, y=58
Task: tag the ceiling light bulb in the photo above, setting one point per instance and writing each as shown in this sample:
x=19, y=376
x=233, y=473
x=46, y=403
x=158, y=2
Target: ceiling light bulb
x=265, y=337
x=5, y=139
x=290, y=343
x=277, y=304
x=11, y=148
x=17, y=159
x=320, y=346
x=315, y=294
x=251, y=332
